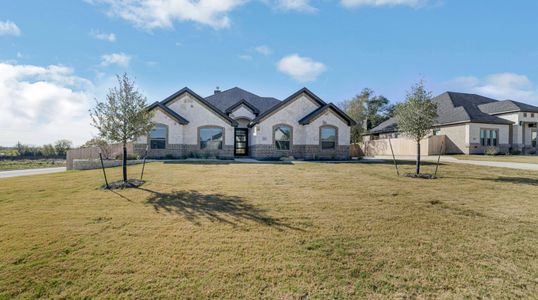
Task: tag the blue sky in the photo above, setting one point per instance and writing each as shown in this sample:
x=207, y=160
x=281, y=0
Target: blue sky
x=57, y=56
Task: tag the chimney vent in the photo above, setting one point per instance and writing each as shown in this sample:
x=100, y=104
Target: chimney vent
x=217, y=90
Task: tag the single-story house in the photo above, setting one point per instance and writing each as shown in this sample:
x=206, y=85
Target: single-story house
x=236, y=123
x=472, y=123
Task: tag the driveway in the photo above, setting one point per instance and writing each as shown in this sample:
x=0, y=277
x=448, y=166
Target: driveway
x=27, y=172
x=450, y=159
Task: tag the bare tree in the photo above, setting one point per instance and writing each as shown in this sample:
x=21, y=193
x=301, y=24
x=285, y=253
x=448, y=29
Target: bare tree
x=123, y=117
x=416, y=116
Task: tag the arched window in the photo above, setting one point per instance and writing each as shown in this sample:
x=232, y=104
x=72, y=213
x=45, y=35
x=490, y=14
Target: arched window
x=211, y=138
x=328, y=137
x=282, y=137
x=157, y=137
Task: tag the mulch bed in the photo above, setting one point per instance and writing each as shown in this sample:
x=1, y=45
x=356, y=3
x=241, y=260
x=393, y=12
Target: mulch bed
x=130, y=183
x=421, y=176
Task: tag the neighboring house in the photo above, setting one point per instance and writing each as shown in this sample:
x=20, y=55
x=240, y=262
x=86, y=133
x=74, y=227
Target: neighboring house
x=235, y=123
x=472, y=123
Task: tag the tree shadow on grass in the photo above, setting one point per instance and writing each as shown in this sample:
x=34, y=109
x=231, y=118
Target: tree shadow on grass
x=517, y=180
x=501, y=179
x=194, y=206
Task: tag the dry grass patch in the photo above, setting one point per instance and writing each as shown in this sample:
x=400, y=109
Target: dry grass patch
x=271, y=231
x=529, y=159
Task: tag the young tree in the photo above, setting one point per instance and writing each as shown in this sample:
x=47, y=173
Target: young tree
x=123, y=116
x=62, y=146
x=416, y=116
x=367, y=110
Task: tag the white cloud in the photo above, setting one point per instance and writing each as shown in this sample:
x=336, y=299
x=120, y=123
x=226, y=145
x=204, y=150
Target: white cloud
x=9, y=28
x=110, y=37
x=43, y=104
x=264, y=50
x=296, y=5
x=302, y=69
x=499, y=86
x=120, y=59
x=151, y=14
x=356, y=3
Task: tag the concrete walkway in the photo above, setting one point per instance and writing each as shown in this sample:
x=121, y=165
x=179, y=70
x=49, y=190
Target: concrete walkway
x=27, y=172
x=450, y=159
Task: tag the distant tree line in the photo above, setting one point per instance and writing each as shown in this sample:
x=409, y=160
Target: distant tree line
x=57, y=150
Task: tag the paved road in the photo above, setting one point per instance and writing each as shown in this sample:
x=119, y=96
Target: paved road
x=450, y=159
x=26, y=172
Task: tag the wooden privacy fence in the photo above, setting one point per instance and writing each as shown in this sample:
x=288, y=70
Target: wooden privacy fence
x=432, y=145
x=112, y=150
x=355, y=150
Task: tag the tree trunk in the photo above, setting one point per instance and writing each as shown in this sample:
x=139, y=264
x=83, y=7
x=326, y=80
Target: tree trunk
x=124, y=162
x=418, y=157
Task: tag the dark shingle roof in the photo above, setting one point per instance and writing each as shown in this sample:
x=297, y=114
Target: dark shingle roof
x=506, y=106
x=313, y=115
x=461, y=107
x=390, y=125
x=453, y=108
x=225, y=99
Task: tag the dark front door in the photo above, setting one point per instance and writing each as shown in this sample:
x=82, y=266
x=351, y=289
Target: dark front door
x=241, y=142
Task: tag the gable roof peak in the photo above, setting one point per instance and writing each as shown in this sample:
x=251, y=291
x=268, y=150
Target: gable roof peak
x=206, y=103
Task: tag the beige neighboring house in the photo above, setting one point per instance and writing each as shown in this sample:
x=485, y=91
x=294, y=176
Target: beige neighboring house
x=472, y=123
x=237, y=123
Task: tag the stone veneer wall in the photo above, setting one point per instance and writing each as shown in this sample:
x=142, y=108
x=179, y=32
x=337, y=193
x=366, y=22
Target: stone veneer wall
x=307, y=152
x=184, y=151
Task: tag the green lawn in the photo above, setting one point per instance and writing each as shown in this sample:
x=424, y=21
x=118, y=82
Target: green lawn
x=531, y=159
x=6, y=165
x=271, y=231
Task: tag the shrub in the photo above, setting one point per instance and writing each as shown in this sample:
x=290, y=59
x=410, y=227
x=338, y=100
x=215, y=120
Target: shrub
x=491, y=150
x=515, y=152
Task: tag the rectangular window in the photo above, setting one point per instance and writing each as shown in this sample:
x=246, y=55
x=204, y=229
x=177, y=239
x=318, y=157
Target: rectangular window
x=524, y=115
x=489, y=137
x=328, y=138
x=157, y=137
x=211, y=138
